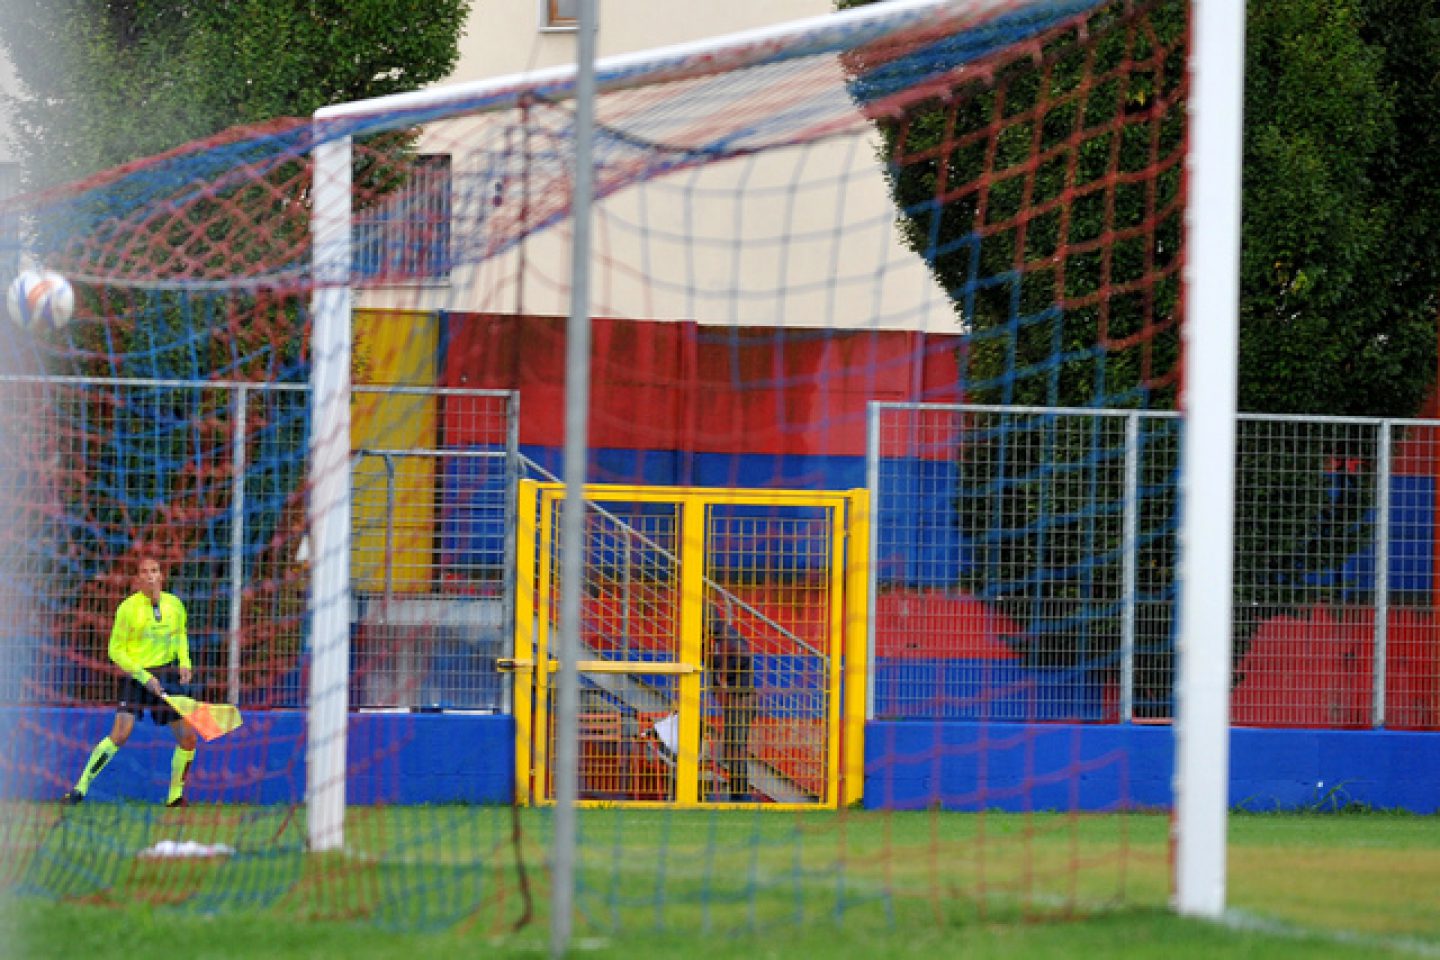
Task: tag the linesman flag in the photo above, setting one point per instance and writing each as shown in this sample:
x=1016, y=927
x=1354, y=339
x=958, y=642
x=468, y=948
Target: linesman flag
x=209, y=720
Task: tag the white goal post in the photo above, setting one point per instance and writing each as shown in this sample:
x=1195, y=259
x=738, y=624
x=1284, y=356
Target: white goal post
x=1212, y=285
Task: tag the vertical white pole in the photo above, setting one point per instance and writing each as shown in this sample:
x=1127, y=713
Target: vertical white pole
x=1130, y=574
x=1202, y=707
x=572, y=558
x=329, y=505
x=237, y=541
x=512, y=520
x=873, y=421
x=1382, y=575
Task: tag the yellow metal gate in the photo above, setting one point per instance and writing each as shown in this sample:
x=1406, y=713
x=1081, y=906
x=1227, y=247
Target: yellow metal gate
x=722, y=645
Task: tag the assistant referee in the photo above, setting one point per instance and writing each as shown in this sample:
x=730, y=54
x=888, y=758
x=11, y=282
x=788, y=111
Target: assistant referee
x=150, y=646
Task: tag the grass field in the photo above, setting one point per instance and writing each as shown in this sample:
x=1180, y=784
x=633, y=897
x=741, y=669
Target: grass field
x=425, y=881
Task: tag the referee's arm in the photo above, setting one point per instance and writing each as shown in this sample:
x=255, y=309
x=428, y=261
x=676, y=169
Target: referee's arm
x=182, y=644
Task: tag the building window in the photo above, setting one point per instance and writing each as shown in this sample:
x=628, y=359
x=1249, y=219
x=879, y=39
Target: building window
x=561, y=14
x=406, y=236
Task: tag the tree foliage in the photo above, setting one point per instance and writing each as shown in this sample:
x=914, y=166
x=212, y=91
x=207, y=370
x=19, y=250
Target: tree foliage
x=1341, y=231
x=1341, y=228
x=1050, y=175
x=1339, y=276
x=104, y=83
x=1043, y=192
x=153, y=83
x=108, y=81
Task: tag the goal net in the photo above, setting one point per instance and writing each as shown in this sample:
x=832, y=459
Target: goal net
x=315, y=366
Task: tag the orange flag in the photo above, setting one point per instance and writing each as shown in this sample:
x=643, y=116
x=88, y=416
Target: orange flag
x=209, y=720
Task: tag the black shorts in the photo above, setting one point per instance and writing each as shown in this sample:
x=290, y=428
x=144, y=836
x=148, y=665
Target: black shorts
x=135, y=699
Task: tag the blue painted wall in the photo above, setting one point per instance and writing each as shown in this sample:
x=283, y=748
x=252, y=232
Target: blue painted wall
x=449, y=758
x=392, y=758
x=974, y=766
x=927, y=689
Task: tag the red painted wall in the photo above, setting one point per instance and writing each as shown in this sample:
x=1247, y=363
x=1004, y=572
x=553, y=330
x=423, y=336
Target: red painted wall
x=680, y=386
x=1313, y=668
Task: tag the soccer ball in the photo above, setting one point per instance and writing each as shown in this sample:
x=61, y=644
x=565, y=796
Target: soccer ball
x=41, y=296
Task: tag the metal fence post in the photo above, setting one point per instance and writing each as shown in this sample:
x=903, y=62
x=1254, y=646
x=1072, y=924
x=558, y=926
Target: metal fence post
x=872, y=483
x=237, y=542
x=512, y=520
x=1131, y=558
x=1382, y=572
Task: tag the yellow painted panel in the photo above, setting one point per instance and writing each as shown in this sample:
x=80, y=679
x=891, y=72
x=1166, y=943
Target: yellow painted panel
x=524, y=648
x=857, y=578
x=394, y=496
x=836, y=632
x=692, y=619
x=545, y=573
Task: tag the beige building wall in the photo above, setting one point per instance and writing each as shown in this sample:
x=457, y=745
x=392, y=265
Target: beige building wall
x=508, y=36
x=801, y=237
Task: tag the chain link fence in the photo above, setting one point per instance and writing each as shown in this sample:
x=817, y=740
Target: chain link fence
x=1024, y=567
x=1023, y=560
x=212, y=475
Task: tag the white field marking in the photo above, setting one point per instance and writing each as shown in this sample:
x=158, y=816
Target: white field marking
x=184, y=850
x=1244, y=920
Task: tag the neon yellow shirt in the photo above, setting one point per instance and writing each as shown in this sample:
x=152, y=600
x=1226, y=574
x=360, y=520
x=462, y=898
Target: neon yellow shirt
x=139, y=640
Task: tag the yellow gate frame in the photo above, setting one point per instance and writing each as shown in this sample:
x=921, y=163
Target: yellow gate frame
x=845, y=775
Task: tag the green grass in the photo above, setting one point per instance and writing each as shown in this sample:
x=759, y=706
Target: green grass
x=696, y=884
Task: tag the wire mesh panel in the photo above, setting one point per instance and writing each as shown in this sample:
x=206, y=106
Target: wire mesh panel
x=1336, y=545
x=1022, y=562
x=1147, y=676
x=1407, y=577
x=628, y=735
x=210, y=477
x=433, y=499
x=1025, y=558
x=771, y=645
